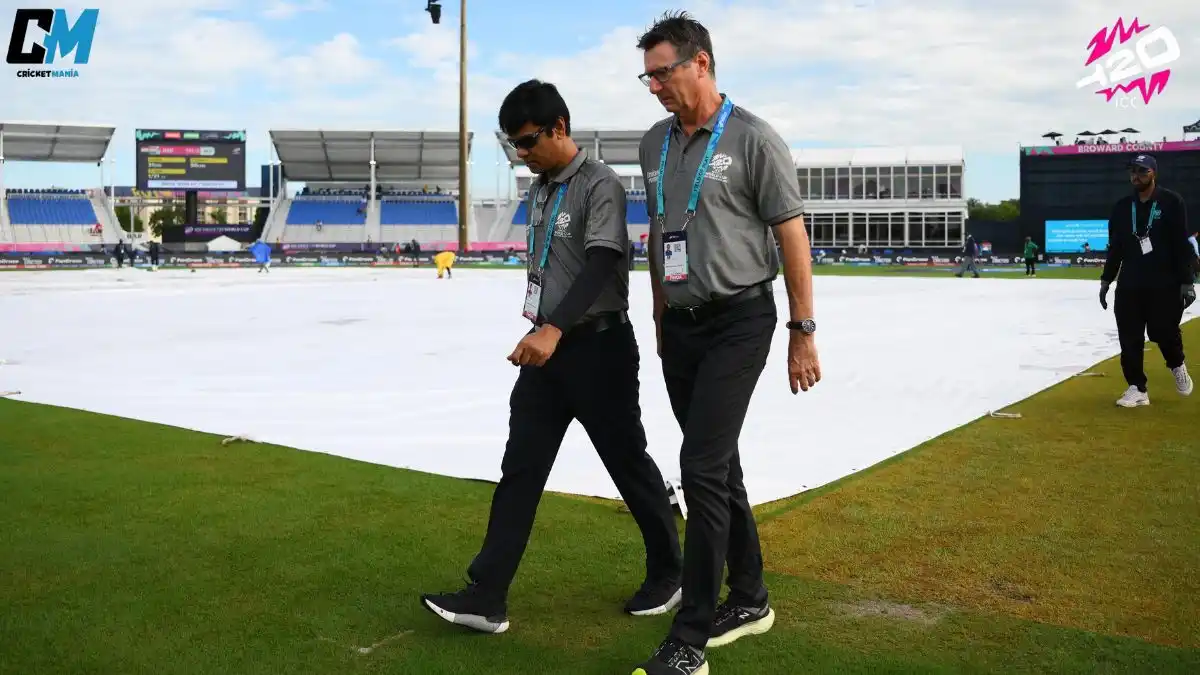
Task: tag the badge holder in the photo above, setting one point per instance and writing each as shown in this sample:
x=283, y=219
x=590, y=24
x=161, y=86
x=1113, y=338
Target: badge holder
x=533, y=289
x=533, y=297
x=675, y=263
x=1146, y=245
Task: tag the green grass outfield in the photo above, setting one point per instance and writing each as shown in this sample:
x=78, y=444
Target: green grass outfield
x=1067, y=541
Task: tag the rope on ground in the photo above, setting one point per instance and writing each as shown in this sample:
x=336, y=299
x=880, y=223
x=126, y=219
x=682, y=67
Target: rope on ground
x=235, y=439
x=1091, y=374
x=1004, y=415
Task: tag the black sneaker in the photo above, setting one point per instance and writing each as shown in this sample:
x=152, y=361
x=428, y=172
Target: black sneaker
x=655, y=597
x=674, y=658
x=469, y=607
x=734, y=621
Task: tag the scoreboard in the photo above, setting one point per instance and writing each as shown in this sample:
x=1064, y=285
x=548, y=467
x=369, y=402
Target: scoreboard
x=191, y=160
x=1067, y=192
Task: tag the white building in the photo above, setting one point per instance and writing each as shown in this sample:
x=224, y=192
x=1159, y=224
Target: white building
x=875, y=197
x=883, y=197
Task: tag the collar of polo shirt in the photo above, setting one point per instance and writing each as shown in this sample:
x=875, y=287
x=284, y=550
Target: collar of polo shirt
x=565, y=173
x=710, y=124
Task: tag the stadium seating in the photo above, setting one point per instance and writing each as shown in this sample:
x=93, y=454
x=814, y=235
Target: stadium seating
x=521, y=215
x=420, y=212
x=307, y=211
x=28, y=209
x=635, y=212
x=50, y=216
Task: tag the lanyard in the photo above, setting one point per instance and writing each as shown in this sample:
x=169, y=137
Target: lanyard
x=718, y=129
x=562, y=190
x=1149, y=219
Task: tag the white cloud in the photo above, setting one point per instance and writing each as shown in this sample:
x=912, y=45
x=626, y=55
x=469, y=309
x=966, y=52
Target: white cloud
x=434, y=47
x=337, y=61
x=281, y=9
x=983, y=75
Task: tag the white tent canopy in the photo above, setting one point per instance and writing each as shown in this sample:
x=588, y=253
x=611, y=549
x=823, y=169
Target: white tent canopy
x=224, y=244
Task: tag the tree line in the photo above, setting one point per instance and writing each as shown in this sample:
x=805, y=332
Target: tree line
x=1006, y=211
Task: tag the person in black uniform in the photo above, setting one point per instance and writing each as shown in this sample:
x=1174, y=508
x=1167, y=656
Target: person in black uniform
x=580, y=362
x=1149, y=248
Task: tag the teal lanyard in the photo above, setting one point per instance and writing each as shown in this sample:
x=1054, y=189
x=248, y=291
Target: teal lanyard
x=562, y=190
x=1149, y=219
x=694, y=199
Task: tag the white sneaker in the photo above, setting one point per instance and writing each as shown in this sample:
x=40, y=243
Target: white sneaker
x=1183, y=381
x=1133, y=398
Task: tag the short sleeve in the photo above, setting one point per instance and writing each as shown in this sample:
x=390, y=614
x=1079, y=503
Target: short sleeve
x=606, y=216
x=776, y=187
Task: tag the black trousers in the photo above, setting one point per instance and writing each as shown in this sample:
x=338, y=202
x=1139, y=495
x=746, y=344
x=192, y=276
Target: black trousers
x=1153, y=312
x=712, y=361
x=1030, y=265
x=592, y=377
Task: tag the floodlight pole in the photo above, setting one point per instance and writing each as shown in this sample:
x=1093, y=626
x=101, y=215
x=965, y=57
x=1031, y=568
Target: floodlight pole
x=464, y=201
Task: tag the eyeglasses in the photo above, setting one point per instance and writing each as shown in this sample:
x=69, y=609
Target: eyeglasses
x=527, y=141
x=662, y=74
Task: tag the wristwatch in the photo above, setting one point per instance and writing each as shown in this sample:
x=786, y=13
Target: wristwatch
x=807, y=326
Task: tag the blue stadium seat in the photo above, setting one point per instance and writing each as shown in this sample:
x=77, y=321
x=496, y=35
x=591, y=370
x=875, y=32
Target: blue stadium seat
x=521, y=217
x=418, y=212
x=635, y=212
x=329, y=212
x=28, y=209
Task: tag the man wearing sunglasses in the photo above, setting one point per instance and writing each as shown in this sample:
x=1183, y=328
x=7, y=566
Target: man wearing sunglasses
x=579, y=362
x=1148, y=246
x=722, y=188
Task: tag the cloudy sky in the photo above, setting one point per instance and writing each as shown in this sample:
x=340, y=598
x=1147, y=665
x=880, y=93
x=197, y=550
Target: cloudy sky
x=844, y=73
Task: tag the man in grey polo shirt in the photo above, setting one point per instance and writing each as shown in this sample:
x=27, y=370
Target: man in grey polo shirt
x=579, y=362
x=721, y=189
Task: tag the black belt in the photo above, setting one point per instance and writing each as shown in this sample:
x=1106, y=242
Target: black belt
x=715, y=307
x=598, y=324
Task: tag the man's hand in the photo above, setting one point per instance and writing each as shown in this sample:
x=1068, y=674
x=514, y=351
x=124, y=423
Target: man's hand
x=1104, y=294
x=1187, y=293
x=804, y=370
x=536, y=348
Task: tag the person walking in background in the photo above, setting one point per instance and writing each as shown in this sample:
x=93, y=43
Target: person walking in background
x=1031, y=251
x=1154, y=266
x=722, y=190
x=154, y=248
x=580, y=362
x=970, y=252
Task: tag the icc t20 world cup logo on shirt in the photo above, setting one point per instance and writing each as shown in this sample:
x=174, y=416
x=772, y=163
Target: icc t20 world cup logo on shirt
x=1130, y=59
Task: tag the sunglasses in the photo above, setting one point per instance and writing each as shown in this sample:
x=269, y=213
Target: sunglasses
x=527, y=141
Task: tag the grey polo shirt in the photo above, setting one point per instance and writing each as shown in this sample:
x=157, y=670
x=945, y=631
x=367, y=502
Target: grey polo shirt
x=592, y=214
x=750, y=186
